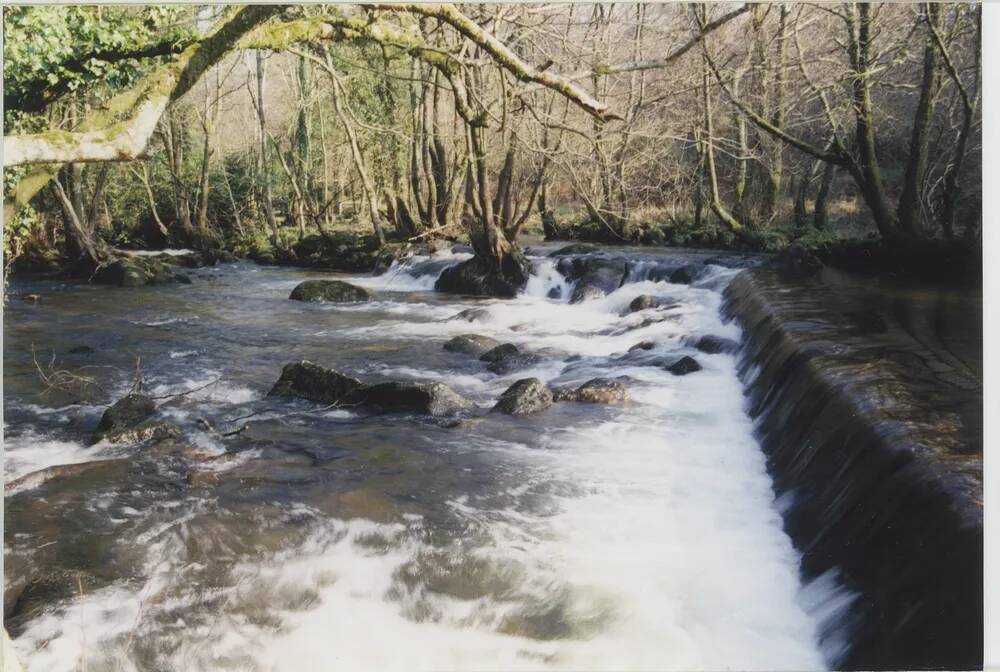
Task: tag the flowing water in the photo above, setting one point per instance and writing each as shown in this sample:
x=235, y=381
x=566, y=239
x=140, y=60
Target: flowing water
x=277, y=536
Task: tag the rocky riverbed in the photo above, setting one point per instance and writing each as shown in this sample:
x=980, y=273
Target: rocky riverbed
x=566, y=479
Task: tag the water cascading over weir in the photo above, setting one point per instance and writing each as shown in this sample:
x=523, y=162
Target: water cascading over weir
x=871, y=423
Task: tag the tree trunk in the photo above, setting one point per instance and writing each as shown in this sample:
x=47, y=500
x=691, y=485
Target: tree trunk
x=868, y=174
x=371, y=195
x=265, y=168
x=778, y=148
x=909, y=211
x=822, y=196
x=713, y=181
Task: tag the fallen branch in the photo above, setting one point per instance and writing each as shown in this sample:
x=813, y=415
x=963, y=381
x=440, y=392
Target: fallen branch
x=63, y=379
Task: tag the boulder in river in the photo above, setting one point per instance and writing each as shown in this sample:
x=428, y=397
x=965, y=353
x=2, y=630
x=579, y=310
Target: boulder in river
x=313, y=382
x=576, y=248
x=307, y=380
x=125, y=413
x=642, y=345
x=524, y=397
x=596, y=391
x=471, y=344
x=685, y=275
x=155, y=431
x=431, y=398
x=332, y=291
x=713, y=345
x=684, y=366
x=647, y=302
x=136, y=271
x=507, y=358
x=515, y=362
x=472, y=315
x=481, y=276
x=733, y=260
x=498, y=352
x=595, y=276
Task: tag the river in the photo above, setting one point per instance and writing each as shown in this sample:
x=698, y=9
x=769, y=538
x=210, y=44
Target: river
x=643, y=536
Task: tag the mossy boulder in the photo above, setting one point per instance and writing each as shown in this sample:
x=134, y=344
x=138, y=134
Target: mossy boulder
x=330, y=291
x=137, y=272
x=147, y=431
x=126, y=413
x=482, y=276
x=526, y=396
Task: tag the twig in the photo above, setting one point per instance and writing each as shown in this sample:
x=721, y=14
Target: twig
x=282, y=416
x=62, y=379
x=192, y=390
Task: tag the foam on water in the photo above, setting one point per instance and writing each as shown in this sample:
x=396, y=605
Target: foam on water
x=660, y=545
x=151, y=253
x=30, y=452
x=413, y=274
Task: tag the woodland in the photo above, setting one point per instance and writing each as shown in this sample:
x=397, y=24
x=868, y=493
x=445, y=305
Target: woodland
x=344, y=132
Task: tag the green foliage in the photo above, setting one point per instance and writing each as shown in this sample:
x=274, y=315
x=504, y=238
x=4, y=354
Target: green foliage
x=52, y=50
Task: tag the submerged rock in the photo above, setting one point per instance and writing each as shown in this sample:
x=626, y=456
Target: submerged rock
x=596, y=391
x=81, y=350
x=507, y=358
x=124, y=414
x=480, y=276
x=24, y=602
x=313, y=382
x=683, y=366
x=333, y=291
x=431, y=398
x=524, y=397
x=471, y=344
x=713, y=345
x=642, y=345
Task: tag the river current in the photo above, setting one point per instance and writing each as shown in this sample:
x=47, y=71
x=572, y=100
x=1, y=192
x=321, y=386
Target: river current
x=275, y=536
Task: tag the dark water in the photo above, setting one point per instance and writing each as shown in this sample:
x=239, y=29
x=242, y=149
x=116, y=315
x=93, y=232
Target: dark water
x=272, y=535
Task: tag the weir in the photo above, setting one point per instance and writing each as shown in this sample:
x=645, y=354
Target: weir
x=867, y=401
